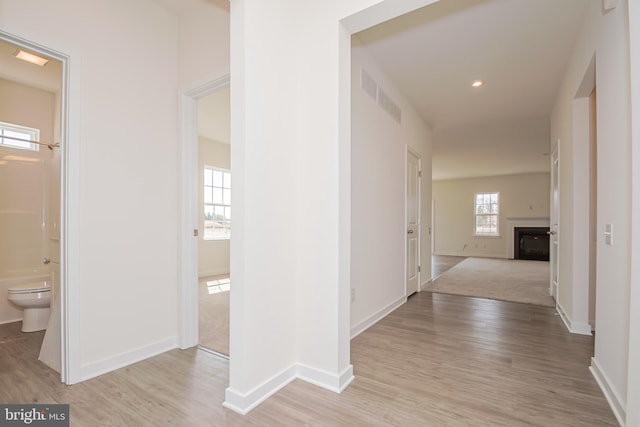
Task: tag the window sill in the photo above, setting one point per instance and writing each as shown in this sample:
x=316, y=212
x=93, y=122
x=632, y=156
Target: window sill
x=486, y=236
x=211, y=239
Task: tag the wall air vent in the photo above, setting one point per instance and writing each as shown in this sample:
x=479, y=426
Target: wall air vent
x=389, y=105
x=368, y=84
x=372, y=89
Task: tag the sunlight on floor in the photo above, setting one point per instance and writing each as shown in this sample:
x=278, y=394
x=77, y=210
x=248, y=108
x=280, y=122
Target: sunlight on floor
x=217, y=286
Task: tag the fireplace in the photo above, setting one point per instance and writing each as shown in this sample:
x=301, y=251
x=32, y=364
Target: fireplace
x=531, y=243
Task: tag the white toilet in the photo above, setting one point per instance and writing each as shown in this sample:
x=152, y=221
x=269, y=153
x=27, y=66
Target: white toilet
x=35, y=299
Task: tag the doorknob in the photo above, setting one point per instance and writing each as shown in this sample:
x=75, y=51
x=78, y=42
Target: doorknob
x=551, y=233
x=409, y=231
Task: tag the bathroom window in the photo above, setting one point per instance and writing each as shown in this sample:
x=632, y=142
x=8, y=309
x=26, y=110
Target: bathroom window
x=487, y=211
x=16, y=136
x=217, y=204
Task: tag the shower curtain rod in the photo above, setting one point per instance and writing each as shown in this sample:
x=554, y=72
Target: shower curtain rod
x=51, y=146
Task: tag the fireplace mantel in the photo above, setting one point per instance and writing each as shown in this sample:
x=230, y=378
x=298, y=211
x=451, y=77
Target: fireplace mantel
x=514, y=222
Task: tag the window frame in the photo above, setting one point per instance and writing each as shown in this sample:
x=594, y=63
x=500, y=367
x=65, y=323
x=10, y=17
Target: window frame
x=34, y=135
x=225, y=206
x=486, y=215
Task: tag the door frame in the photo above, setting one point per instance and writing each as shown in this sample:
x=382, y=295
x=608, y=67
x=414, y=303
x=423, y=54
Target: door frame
x=554, y=252
x=187, y=209
x=411, y=152
x=70, y=362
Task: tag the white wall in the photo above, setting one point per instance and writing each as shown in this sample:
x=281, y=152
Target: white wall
x=203, y=44
x=633, y=389
x=122, y=172
x=378, y=179
x=25, y=183
x=521, y=196
x=290, y=103
x=605, y=34
x=213, y=255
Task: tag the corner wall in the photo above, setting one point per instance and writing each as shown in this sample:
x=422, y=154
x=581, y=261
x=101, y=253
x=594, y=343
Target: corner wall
x=606, y=35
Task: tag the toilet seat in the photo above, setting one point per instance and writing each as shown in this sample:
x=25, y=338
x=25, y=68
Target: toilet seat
x=29, y=288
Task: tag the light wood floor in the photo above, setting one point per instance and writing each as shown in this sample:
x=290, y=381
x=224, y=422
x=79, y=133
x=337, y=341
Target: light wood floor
x=438, y=360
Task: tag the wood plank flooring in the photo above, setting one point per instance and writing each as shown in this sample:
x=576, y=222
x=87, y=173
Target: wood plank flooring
x=438, y=360
x=442, y=263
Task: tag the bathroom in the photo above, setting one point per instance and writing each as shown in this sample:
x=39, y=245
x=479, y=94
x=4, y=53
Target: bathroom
x=30, y=191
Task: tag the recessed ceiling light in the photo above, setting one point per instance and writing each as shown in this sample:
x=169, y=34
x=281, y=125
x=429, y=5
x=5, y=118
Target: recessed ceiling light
x=30, y=57
x=477, y=83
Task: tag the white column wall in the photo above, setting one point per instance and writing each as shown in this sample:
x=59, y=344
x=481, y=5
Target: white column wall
x=633, y=389
x=604, y=34
x=290, y=254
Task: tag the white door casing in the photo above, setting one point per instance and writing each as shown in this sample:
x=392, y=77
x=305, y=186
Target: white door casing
x=555, y=215
x=412, y=203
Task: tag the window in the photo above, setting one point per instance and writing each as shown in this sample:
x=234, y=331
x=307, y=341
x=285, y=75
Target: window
x=17, y=136
x=486, y=214
x=217, y=204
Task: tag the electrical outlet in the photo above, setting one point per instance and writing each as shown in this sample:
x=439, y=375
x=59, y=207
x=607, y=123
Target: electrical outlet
x=353, y=294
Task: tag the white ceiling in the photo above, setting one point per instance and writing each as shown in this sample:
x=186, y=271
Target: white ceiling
x=519, y=48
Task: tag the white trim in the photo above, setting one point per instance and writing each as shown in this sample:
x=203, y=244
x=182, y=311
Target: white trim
x=410, y=151
x=374, y=318
x=216, y=272
x=100, y=367
x=188, y=212
x=615, y=402
x=69, y=203
x=18, y=319
x=324, y=379
x=573, y=327
x=242, y=403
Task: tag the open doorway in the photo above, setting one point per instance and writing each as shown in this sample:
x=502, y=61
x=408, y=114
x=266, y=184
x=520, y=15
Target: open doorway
x=32, y=231
x=214, y=220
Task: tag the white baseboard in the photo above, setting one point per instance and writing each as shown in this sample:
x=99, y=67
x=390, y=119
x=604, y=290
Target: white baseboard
x=324, y=379
x=242, y=403
x=473, y=254
x=94, y=369
x=374, y=318
x=4, y=322
x=425, y=284
x=609, y=392
x=573, y=327
x=214, y=272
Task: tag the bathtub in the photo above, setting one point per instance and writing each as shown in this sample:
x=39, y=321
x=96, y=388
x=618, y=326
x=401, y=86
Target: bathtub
x=8, y=312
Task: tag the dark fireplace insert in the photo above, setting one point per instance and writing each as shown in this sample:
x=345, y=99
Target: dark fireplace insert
x=531, y=243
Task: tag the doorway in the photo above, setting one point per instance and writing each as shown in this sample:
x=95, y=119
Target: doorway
x=192, y=212
x=413, y=201
x=214, y=221
x=33, y=155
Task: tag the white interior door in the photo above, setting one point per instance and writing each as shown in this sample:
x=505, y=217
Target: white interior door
x=413, y=223
x=553, y=231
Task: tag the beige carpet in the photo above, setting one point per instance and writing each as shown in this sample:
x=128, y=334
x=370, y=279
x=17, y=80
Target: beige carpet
x=500, y=279
x=214, y=313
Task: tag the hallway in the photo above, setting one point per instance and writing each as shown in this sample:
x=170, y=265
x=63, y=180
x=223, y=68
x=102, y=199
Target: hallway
x=437, y=360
